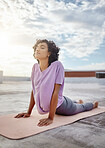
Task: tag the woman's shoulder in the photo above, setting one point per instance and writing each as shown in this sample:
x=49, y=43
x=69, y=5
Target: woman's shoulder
x=59, y=64
x=34, y=66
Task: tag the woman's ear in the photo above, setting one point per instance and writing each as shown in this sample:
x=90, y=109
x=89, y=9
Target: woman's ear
x=49, y=53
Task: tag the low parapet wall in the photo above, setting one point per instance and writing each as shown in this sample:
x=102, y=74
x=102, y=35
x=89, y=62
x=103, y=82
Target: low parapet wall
x=1, y=77
x=81, y=73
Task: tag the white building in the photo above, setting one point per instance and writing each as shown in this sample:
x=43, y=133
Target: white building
x=1, y=76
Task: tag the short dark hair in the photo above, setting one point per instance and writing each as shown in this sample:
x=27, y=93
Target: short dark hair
x=52, y=48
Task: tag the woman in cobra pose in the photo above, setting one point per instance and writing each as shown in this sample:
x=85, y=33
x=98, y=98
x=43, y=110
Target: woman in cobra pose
x=47, y=86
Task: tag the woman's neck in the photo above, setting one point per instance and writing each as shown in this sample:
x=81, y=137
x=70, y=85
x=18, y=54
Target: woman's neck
x=43, y=65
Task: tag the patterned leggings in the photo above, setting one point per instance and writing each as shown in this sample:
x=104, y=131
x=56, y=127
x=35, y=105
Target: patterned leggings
x=70, y=107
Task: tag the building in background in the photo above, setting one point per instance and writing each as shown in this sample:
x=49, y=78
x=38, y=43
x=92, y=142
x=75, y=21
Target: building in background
x=1, y=77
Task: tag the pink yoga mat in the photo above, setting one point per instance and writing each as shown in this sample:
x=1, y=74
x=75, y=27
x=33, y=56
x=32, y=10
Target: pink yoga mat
x=17, y=128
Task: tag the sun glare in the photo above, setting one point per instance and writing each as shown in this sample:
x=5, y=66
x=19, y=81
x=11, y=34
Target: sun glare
x=6, y=48
x=4, y=43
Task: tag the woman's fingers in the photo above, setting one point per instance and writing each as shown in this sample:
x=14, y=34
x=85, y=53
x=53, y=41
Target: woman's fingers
x=42, y=119
x=47, y=123
x=44, y=122
x=26, y=115
x=16, y=116
x=19, y=115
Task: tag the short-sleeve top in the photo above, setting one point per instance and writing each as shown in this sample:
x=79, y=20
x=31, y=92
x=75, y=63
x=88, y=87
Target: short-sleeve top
x=43, y=85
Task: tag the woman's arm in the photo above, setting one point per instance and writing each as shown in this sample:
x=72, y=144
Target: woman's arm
x=53, y=106
x=54, y=101
x=32, y=103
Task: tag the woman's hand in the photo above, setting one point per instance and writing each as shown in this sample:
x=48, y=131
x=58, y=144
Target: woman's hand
x=24, y=115
x=45, y=122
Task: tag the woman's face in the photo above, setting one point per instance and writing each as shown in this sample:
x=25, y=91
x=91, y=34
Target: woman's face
x=41, y=51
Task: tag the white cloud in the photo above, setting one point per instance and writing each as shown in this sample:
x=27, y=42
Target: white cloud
x=84, y=59
x=93, y=66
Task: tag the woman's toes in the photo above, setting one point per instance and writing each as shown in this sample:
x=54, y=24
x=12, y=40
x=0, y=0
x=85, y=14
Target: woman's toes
x=80, y=101
x=95, y=105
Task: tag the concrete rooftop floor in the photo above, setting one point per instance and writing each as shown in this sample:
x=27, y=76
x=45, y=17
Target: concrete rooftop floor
x=85, y=133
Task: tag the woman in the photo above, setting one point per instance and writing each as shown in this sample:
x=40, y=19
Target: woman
x=47, y=86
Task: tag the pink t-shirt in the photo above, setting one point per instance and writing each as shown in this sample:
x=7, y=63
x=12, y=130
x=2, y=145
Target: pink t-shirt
x=43, y=85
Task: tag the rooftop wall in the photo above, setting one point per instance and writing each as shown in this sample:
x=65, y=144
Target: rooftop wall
x=81, y=73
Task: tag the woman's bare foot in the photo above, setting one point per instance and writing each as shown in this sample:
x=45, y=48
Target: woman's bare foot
x=80, y=102
x=95, y=105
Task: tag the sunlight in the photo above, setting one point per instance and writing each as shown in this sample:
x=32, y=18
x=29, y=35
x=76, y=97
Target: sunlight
x=4, y=43
x=6, y=46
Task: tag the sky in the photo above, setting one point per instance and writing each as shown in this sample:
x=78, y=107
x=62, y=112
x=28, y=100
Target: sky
x=76, y=26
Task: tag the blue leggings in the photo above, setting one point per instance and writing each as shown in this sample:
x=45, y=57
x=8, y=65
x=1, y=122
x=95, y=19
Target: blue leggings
x=70, y=107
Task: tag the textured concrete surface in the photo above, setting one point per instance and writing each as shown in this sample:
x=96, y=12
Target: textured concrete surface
x=85, y=133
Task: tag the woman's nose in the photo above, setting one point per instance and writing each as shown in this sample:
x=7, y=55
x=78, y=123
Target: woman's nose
x=37, y=49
